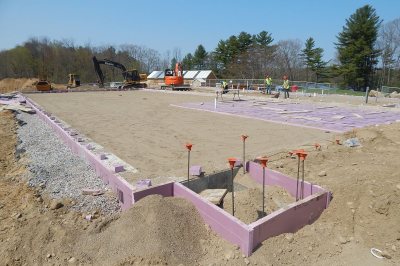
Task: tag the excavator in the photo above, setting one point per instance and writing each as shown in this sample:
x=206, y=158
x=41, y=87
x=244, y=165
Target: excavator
x=132, y=78
x=174, y=79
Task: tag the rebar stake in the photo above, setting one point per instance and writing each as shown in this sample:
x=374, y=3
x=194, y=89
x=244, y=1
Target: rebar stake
x=302, y=157
x=297, y=152
x=298, y=177
x=232, y=162
x=263, y=161
x=244, y=137
x=189, y=148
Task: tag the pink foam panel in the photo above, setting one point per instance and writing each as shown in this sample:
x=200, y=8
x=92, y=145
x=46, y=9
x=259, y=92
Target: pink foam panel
x=118, y=168
x=165, y=190
x=274, y=178
x=290, y=219
x=195, y=170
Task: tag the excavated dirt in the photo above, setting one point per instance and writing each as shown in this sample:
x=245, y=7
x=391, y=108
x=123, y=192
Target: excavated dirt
x=248, y=202
x=364, y=213
x=21, y=84
x=27, y=226
x=167, y=229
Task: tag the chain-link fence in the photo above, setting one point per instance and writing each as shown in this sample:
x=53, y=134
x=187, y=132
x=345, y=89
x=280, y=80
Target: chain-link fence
x=386, y=89
x=256, y=84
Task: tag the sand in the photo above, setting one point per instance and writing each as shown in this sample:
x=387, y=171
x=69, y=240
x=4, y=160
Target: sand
x=143, y=129
x=248, y=202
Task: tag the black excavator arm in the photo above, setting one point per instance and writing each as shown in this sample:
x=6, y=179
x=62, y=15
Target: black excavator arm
x=107, y=62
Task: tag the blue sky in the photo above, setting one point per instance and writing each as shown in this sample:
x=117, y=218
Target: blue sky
x=165, y=25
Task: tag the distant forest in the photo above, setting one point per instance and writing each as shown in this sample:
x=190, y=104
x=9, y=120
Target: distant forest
x=368, y=54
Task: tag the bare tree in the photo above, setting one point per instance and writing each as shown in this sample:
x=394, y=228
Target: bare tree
x=177, y=54
x=288, y=57
x=389, y=45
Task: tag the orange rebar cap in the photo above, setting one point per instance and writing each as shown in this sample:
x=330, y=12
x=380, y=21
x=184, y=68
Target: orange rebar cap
x=302, y=155
x=244, y=137
x=232, y=162
x=296, y=152
x=189, y=146
x=263, y=161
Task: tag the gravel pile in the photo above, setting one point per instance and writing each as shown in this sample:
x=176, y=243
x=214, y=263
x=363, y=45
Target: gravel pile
x=60, y=173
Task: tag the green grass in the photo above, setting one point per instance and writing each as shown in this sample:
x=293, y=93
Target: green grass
x=334, y=91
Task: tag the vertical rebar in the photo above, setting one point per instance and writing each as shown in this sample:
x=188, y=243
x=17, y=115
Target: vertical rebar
x=298, y=176
x=302, y=181
x=188, y=169
x=244, y=158
x=233, y=194
x=263, y=201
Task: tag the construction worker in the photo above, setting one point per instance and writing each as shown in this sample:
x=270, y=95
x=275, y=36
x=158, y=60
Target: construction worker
x=224, y=87
x=285, y=86
x=268, y=84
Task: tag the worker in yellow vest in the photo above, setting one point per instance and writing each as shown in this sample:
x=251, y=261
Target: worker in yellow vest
x=224, y=87
x=268, y=84
x=285, y=86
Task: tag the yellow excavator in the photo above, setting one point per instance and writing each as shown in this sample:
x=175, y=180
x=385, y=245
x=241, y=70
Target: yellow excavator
x=132, y=78
x=73, y=81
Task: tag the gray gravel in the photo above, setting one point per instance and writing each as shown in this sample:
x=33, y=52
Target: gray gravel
x=59, y=172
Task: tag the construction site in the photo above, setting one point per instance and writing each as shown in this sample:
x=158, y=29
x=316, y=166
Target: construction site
x=101, y=177
x=120, y=144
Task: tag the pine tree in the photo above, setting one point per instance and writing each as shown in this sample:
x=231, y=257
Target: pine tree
x=319, y=66
x=199, y=57
x=356, y=47
x=313, y=58
x=263, y=38
x=307, y=54
x=187, y=62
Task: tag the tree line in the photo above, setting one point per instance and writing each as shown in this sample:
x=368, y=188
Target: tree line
x=367, y=55
x=56, y=59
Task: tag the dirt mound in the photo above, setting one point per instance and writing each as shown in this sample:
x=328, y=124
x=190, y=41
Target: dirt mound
x=24, y=85
x=21, y=84
x=365, y=210
x=168, y=229
x=248, y=202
